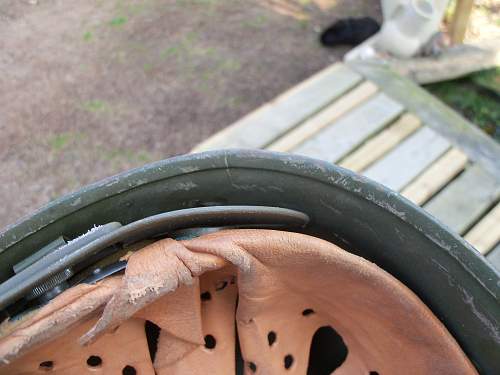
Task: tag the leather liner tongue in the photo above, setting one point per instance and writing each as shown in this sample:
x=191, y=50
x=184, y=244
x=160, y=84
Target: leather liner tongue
x=297, y=296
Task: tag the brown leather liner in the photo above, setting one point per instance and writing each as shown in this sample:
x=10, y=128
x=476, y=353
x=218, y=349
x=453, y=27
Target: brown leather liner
x=287, y=284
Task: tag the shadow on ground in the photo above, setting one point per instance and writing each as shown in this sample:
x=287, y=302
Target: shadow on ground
x=91, y=88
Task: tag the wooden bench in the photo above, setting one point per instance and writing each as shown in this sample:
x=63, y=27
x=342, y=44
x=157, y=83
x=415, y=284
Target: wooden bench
x=368, y=119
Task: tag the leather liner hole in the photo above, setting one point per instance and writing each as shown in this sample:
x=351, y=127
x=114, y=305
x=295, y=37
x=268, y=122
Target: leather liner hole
x=206, y=296
x=307, y=312
x=152, y=335
x=271, y=337
x=210, y=342
x=252, y=366
x=129, y=370
x=373, y=373
x=46, y=366
x=288, y=361
x=328, y=352
x=94, y=361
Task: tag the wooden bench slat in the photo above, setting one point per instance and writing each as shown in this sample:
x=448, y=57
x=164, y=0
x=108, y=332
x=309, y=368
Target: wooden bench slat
x=405, y=162
x=383, y=142
x=351, y=130
x=434, y=113
x=435, y=177
x=264, y=125
x=486, y=234
x=465, y=199
x=494, y=257
x=324, y=118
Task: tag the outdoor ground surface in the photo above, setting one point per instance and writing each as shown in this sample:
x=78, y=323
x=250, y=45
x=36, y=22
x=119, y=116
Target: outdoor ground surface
x=92, y=88
x=477, y=96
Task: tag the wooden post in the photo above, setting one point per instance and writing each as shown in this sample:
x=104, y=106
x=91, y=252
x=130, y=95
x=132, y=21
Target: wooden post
x=460, y=20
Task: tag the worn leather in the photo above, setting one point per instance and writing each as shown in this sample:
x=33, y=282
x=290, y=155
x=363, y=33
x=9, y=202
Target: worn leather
x=285, y=285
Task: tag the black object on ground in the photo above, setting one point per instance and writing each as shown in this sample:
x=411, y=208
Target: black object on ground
x=349, y=31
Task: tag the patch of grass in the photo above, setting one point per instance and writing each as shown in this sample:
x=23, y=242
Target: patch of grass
x=189, y=49
x=58, y=142
x=169, y=51
x=478, y=104
x=489, y=79
x=118, y=21
x=95, y=106
x=184, y=48
x=87, y=36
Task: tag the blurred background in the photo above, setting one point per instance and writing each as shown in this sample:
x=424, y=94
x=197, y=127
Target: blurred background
x=92, y=88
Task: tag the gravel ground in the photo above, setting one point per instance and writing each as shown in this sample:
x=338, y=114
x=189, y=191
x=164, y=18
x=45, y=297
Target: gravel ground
x=91, y=88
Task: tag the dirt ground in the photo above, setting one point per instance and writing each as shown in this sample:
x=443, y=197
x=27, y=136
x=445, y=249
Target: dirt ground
x=91, y=88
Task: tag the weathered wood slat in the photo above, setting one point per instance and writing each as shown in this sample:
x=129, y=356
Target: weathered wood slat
x=486, y=234
x=494, y=257
x=382, y=143
x=324, y=118
x=351, y=130
x=264, y=125
x=435, y=177
x=478, y=146
x=458, y=27
x=465, y=199
x=405, y=162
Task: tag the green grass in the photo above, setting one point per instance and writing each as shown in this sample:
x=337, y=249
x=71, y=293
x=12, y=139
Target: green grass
x=60, y=141
x=95, y=106
x=87, y=36
x=170, y=51
x=476, y=97
x=489, y=79
x=118, y=21
x=189, y=50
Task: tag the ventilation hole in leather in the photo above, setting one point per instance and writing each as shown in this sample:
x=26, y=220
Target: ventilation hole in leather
x=206, y=296
x=307, y=312
x=94, y=361
x=46, y=365
x=288, y=361
x=210, y=342
x=328, y=352
x=252, y=366
x=129, y=370
x=220, y=285
x=271, y=338
x=152, y=335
